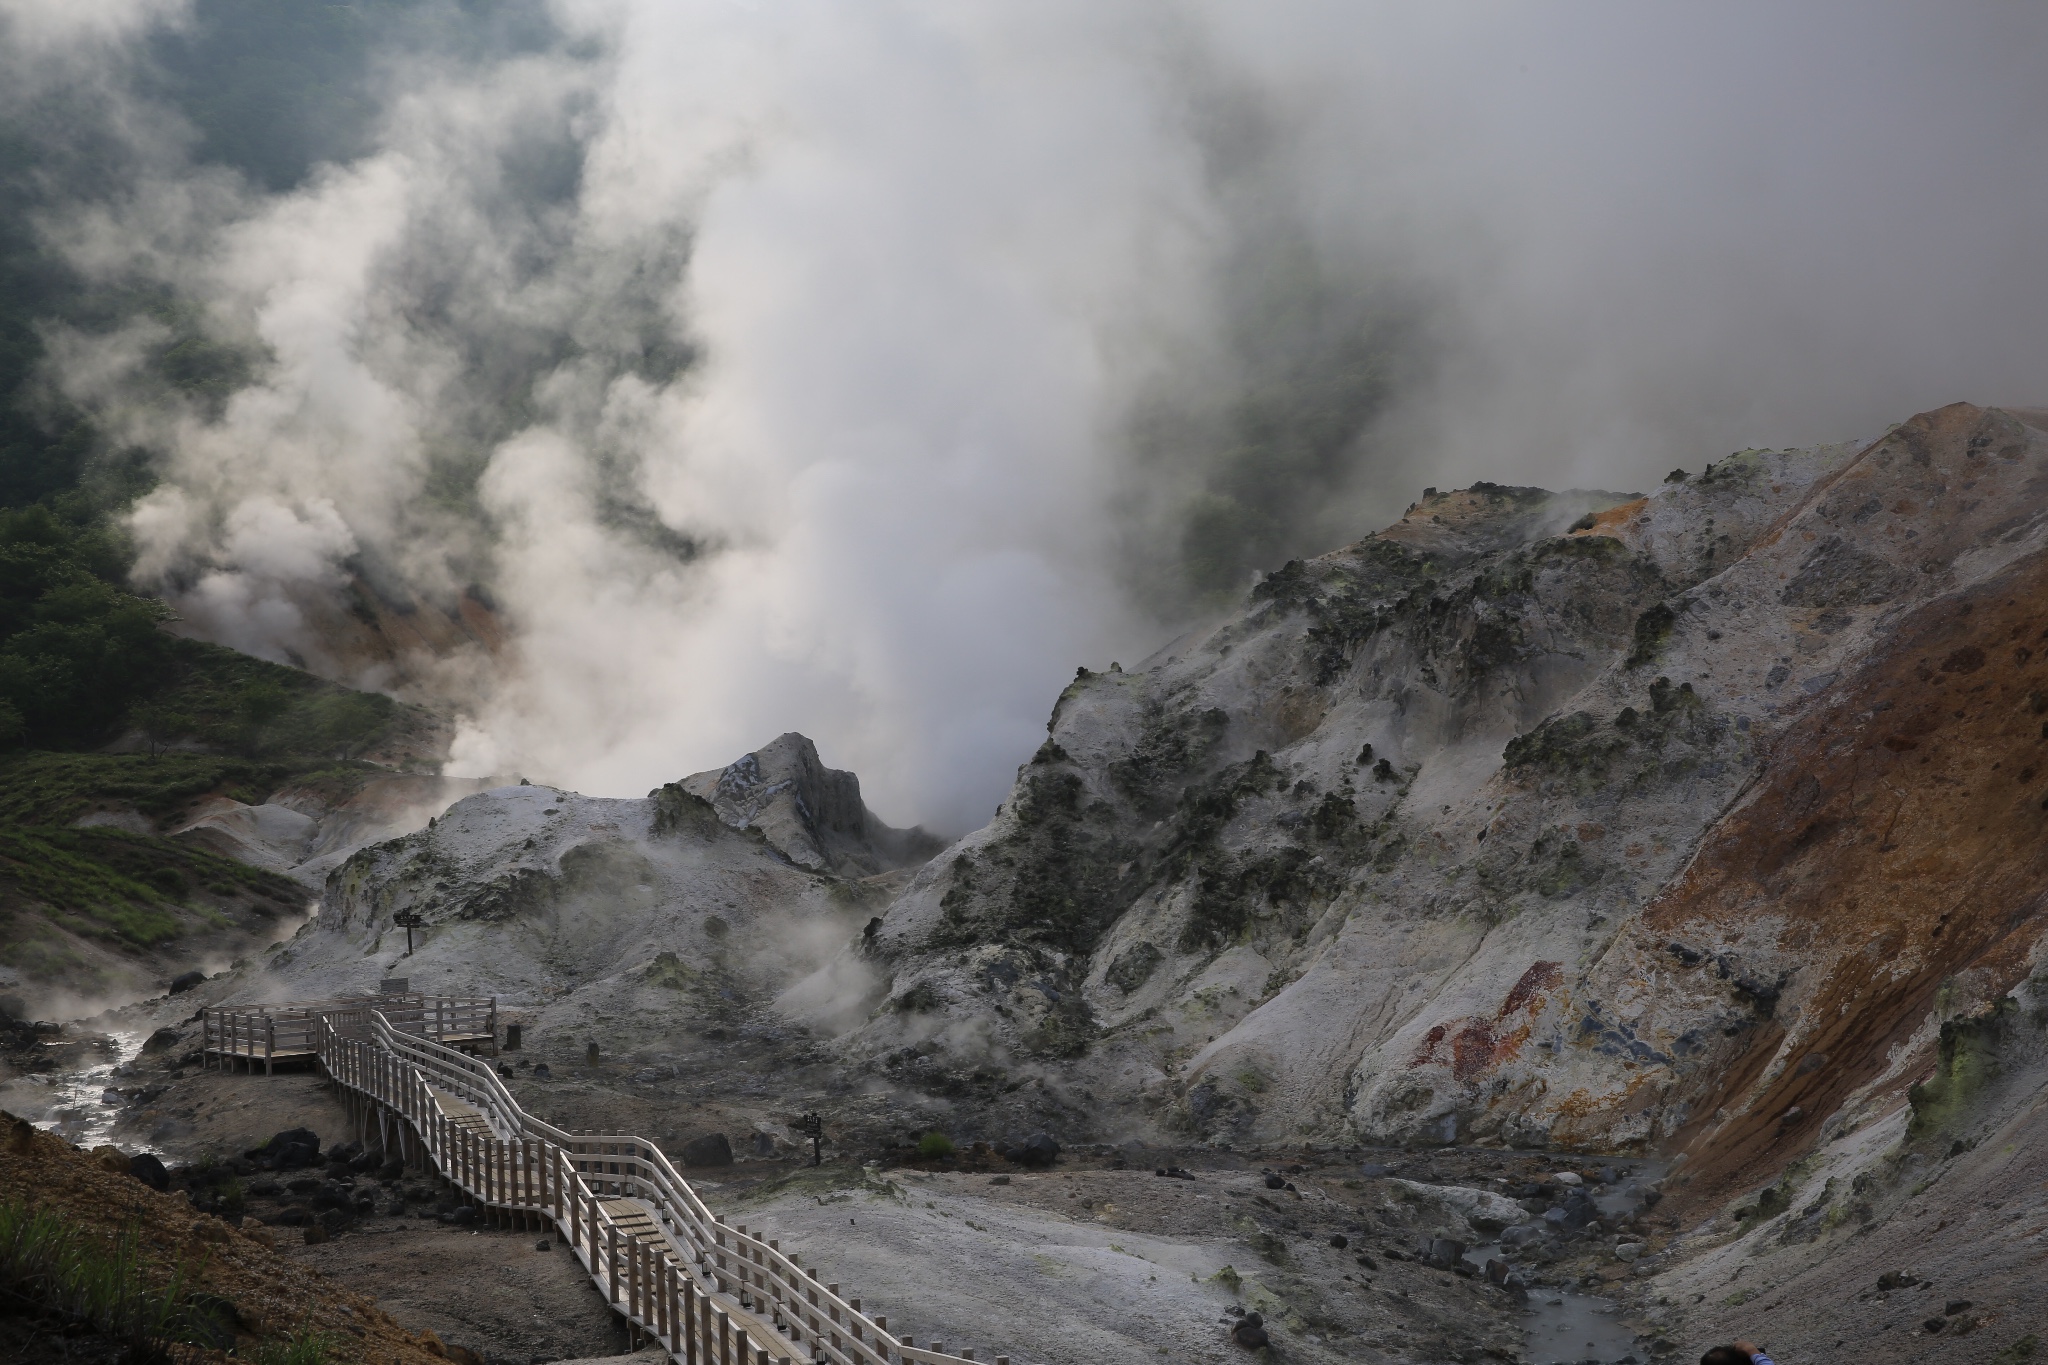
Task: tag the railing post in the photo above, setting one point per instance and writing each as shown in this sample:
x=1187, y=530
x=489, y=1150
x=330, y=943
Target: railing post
x=636, y=1279
x=690, y=1316
x=612, y=1256
x=666, y=1304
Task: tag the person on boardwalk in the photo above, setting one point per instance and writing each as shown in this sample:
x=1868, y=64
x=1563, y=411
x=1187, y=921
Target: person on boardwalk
x=1740, y=1353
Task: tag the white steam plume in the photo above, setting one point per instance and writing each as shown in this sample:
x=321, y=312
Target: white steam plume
x=927, y=260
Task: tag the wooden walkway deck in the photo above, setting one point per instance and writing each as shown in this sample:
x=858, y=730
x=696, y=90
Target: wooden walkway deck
x=270, y=1034
x=708, y=1293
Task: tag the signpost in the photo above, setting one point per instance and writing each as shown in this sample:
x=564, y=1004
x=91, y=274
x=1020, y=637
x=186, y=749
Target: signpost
x=408, y=920
x=813, y=1128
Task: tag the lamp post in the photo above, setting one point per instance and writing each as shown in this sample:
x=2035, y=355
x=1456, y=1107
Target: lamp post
x=408, y=920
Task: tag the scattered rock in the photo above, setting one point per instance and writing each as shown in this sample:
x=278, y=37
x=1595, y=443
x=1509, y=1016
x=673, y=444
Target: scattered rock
x=1039, y=1151
x=149, y=1169
x=1955, y=1306
x=256, y=1232
x=292, y=1149
x=1175, y=1173
x=1935, y=1324
x=712, y=1149
x=186, y=981
x=1628, y=1251
x=1568, y=1178
x=541, y=1072
x=1441, y=1252
x=1250, y=1332
x=1372, y=1170
x=1274, y=1182
x=463, y=1217
x=1895, y=1279
x=1340, y=1241
x=543, y=1245
x=999, y=1180
x=315, y=1234
x=163, y=1040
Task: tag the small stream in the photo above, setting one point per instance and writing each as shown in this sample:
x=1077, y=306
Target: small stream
x=1565, y=1327
x=83, y=1105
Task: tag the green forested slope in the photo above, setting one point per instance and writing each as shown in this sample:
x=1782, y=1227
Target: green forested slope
x=269, y=88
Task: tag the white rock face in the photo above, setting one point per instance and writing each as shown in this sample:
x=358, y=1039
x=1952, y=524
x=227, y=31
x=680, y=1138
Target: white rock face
x=811, y=814
x=692, y=911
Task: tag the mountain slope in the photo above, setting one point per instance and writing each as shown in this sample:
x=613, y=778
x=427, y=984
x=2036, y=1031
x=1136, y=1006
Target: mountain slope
x=1535, y=818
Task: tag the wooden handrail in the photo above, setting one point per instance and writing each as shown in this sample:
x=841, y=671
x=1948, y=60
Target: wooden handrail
x=707, y=1294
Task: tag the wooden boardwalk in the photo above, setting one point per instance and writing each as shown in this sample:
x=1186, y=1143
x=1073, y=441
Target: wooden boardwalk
x=708, y=1293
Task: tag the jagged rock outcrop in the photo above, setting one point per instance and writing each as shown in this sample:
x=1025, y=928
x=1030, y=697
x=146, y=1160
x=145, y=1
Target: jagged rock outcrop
x=810, y=813
x=704, y=905
x=1577, y=819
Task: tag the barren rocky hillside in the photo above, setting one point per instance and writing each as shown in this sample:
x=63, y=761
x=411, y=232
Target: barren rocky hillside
x=1622, y=824
x=1702, y=829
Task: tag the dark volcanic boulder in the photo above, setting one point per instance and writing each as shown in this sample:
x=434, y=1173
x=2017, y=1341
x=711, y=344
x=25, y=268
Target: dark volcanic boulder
x=1037, y=1151
x=291, y=1150
x=186, y=981
x=149, y=1170
x=710, y=1150
x=163, y=1040
x=1250, y=1332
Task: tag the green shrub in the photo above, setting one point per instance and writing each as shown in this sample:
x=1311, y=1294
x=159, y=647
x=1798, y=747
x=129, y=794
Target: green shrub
x=934, y=1147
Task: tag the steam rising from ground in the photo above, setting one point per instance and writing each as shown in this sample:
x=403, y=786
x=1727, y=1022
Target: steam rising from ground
x=860, y=369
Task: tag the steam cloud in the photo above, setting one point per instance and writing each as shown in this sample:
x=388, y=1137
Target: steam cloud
x=860, y=369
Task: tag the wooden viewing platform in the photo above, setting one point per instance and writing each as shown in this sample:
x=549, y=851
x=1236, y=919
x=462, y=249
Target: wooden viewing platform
x=709, y=1294
x=273, y=1033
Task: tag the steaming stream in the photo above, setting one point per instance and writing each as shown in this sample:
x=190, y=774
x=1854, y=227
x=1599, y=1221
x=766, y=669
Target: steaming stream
x=83, y=1104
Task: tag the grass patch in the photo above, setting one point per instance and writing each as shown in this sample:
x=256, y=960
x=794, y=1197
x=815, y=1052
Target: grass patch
x=109, y=884
x=104, y=1285
x=43, y=788
x=249, y=706
x=298, y=1348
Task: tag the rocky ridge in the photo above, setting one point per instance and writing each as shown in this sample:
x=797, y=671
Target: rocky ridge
x=1573, y=820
